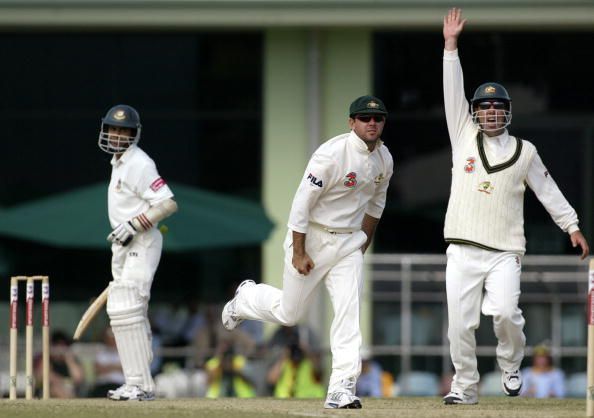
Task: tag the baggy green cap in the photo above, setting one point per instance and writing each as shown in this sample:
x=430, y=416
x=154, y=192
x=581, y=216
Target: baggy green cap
x=367, y=105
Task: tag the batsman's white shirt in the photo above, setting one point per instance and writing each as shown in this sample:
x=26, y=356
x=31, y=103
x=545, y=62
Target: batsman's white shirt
x=477, y=278
x=342, y=182
x=135, y=185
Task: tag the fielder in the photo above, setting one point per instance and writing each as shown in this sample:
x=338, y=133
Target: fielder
x=484, y=222
x=333, y=217
x=138, y=198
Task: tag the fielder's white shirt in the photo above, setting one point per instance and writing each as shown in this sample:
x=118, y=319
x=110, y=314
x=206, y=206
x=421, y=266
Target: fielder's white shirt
x=497, y=149
x=343, y=181
x=135, y=186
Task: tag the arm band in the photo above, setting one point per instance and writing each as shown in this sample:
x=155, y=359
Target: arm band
x=154, y=214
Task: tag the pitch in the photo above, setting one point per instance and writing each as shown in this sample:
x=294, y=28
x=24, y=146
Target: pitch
x=272, y=408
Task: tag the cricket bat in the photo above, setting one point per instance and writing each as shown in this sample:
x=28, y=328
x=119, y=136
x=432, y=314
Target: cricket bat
x=90, y=314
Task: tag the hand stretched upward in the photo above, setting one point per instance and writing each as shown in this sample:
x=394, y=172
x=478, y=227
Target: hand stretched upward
x=453, y=24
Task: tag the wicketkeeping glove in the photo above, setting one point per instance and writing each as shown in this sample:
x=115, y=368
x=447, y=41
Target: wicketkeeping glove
x=122, y=234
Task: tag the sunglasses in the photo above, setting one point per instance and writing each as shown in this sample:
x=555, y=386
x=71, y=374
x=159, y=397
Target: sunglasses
x=367, y=118
x=495, y=105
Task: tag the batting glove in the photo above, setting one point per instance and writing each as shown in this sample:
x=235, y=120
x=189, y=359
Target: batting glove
x=122, y=234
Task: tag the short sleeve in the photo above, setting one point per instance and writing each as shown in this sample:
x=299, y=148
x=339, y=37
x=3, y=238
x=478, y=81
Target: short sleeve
x=151, y=186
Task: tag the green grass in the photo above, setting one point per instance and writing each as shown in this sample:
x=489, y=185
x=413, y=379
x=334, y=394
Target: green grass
x=269, y=408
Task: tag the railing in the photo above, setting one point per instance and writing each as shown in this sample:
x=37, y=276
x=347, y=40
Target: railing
x=410, y=280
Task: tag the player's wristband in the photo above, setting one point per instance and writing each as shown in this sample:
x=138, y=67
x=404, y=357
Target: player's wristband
x=141, y=223
x=154, y=214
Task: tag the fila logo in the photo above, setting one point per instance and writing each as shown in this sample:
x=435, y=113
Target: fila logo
x=313, y=180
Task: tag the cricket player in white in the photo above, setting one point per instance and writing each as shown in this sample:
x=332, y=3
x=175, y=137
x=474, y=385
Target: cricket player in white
x=334, y=214
x=485, y=222
x=138, y=198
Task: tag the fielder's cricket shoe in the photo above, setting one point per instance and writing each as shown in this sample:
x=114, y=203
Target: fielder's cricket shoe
x=229, y=316
x=459, y=398
x=130, y=393
x=511, y=382
x=342, y=400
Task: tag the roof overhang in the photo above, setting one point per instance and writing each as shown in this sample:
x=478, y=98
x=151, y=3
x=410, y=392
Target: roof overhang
x=260, y=14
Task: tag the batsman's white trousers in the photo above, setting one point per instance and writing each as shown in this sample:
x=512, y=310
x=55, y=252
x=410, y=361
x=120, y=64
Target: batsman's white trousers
x=137, y=263
x=475, y=279
x=133, y=268
x=338, y=262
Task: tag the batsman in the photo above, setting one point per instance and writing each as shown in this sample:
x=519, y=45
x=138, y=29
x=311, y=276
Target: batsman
x=484, y=222
x=138, y=198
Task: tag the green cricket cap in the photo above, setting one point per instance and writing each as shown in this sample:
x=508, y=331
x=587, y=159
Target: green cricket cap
x=367, y=105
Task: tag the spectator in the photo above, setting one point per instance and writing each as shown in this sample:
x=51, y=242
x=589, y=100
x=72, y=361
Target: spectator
x=170, y=318
x=229, y=374
x=180, y=322
x=542, y=380
x=193, y=323
x=255, y=330
x=156, y=345
x=296, y=375
x=108, y=368
x=445, y=382
x=210, y=336
x=300, y=334
x=66, y=373
x=370, y=381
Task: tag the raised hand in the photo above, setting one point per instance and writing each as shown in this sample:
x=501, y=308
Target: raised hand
x=453, y=24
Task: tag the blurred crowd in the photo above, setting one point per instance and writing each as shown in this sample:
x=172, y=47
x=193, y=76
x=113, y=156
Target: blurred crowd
x=208, y=361
x=196, y=357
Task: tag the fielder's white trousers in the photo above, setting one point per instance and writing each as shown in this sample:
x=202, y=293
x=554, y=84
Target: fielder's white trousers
x=339, y=263
x=489, y=280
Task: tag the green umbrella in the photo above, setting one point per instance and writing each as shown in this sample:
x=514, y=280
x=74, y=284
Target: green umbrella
x=79, y=219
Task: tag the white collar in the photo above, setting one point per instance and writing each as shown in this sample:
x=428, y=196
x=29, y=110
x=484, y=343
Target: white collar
x=502, y=139
x=124, y=157
x=359, y=144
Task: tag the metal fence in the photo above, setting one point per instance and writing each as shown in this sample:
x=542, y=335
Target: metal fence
x=410, y=314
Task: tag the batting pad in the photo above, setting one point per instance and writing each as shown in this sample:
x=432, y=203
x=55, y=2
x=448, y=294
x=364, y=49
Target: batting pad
x=124, y=296
x=129, y=325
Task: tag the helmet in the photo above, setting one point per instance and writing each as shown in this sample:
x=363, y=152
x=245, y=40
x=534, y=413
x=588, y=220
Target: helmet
x=122, y=116
x=491, y=92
